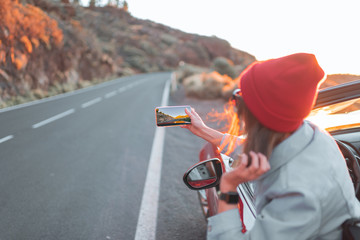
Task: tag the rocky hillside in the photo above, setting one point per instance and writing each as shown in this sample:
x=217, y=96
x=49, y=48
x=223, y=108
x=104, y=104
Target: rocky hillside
x=49, y=47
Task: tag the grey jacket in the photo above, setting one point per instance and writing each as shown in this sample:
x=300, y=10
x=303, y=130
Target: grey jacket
x=307, y=194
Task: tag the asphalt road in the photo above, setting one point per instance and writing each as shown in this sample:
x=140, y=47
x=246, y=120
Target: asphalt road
x=74, y=167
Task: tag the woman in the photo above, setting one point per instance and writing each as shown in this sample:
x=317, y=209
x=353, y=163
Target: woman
x=302, y=185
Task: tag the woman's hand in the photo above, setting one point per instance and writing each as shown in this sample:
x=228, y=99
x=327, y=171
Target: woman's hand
x=243, y=173
x=199, y=128
x=197, y=125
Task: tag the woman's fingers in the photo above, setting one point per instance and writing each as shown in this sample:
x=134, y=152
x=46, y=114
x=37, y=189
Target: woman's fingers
x=243, y=173
x=243, y=161
x=258, y=166
x=188, y=112
x=254, y=166
x=259, y=163
x=264, y=163
x=192, y=114
x=195, y=113
x=196, y=122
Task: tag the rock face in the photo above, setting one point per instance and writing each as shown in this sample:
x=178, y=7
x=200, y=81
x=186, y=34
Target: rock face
x=85, y=44
x=163, y=118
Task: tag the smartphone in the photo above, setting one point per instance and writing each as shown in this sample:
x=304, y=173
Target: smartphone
x=172, y=116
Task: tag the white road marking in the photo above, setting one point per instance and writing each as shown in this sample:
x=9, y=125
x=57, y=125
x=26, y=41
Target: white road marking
x=110, y=94
x=7, y=138
x=54, y=118
x=122, y=89
x=113, y=93
x=146, y=225
x=92, y=102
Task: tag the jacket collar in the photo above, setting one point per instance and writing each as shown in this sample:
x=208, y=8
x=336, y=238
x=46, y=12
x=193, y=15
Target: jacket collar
x=290, y=147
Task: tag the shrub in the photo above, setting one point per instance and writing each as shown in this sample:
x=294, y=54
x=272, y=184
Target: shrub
x=224, y=66
x=208, y=85
x=23, y=28
x=168, y=39
x=141, y=64
x=185, y=70
x=130, y=51
x=148, y=47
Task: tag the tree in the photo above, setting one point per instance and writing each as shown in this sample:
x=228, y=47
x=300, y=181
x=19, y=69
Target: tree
x=92, y=3
x=125, y=6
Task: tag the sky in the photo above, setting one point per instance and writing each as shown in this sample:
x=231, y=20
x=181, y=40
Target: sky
x=269, y=28
x=174, y=111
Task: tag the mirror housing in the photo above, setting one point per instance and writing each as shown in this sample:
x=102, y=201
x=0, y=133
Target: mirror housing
x=205, y=174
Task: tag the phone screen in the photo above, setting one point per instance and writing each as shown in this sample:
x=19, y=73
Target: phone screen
x=172, y=116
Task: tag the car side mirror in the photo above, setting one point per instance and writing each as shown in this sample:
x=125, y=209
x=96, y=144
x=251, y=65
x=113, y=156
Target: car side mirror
x=205, y=174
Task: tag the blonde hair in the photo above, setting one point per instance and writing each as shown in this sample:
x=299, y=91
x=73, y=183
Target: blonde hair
x=258, y=138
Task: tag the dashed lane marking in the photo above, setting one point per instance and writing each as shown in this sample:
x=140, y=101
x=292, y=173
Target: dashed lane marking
x=110, y=94
x=7, y=138
x=91, y=102
x=54, y=118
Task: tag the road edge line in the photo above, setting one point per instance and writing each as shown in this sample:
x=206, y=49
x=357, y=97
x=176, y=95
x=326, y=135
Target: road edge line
x=147, y=220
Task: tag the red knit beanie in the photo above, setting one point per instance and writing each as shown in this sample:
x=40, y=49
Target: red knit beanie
x=281, y=92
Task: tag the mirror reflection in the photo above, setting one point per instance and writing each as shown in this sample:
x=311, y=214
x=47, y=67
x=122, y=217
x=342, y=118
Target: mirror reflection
x=203, y=174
